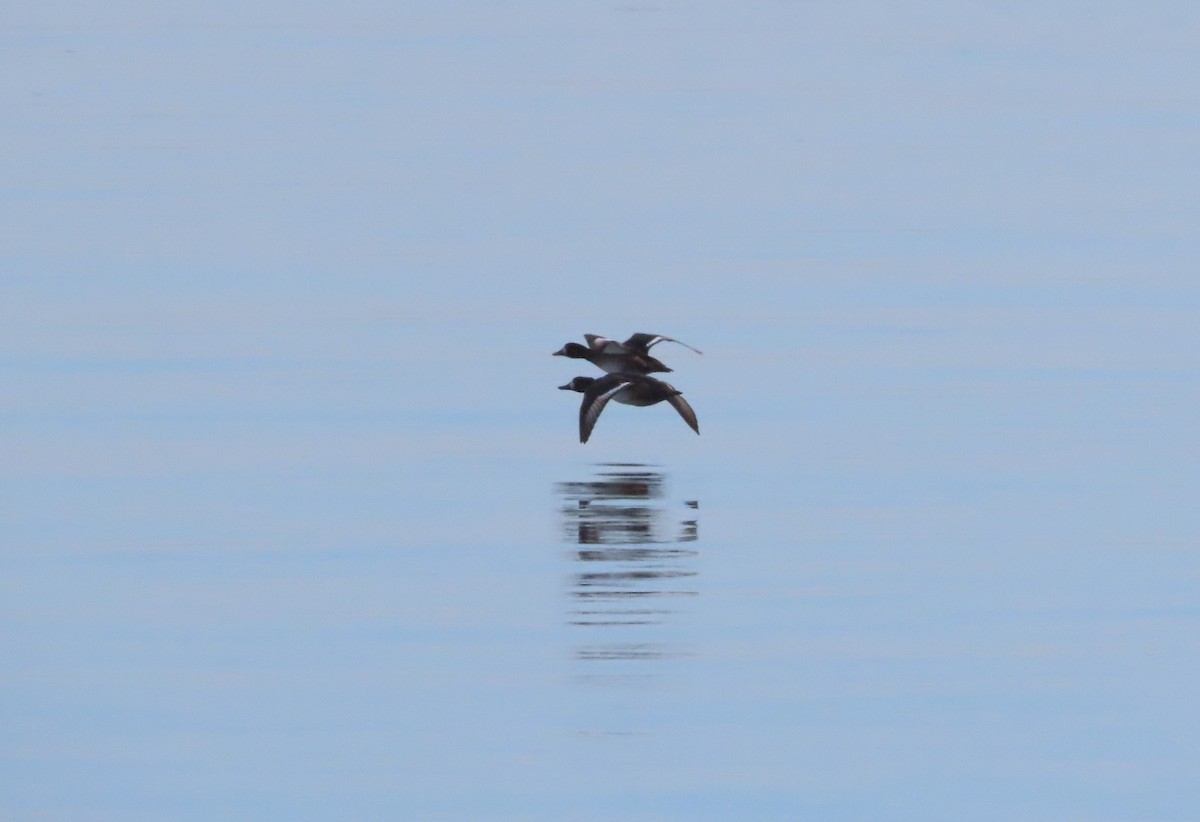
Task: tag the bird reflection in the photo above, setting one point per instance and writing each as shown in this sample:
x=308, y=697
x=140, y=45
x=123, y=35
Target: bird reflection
x=633, y=563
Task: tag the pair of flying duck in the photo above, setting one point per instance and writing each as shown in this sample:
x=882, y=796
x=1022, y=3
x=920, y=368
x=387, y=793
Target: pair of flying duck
x=628, y=365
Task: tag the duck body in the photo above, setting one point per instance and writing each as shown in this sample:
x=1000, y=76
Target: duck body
x=613, y=361
x=627, y=389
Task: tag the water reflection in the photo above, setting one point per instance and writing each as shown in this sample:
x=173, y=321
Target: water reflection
x=633, y=566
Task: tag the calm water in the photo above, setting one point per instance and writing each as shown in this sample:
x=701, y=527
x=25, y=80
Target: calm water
x=294, y=523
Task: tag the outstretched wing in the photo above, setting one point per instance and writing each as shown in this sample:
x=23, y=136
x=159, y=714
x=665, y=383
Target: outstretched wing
x=648, y=341
x=681, y=405
x=593, y=403
x=604, y=344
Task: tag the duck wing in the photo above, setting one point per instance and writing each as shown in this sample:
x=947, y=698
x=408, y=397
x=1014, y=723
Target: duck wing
x=681, y=405
x=594, y=400
x=605, y=345
x=645, y=342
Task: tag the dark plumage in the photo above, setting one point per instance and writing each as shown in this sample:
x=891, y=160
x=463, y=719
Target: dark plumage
x=629, y=389
x=613, y=362
x=636, y=344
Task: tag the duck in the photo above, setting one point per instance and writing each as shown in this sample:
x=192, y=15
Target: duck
x=614, y=361
x=628, y=389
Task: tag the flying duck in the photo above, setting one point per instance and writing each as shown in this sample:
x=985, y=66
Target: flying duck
x=613, y=362
x=629, y=389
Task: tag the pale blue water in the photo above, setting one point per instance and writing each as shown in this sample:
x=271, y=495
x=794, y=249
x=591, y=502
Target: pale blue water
x=295, y=524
